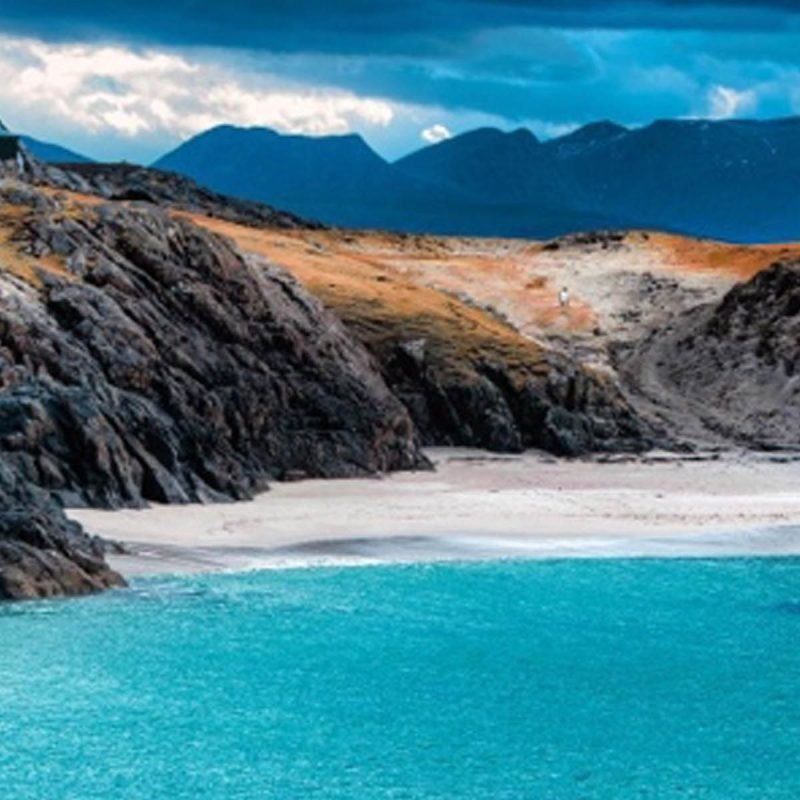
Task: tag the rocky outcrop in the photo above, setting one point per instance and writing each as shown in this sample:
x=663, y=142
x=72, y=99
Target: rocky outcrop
x=143, y=359
x=727, y=372
x=547, y=403
x=740, y=359
x=42, y=553
x=132, y=183
x=470, y=379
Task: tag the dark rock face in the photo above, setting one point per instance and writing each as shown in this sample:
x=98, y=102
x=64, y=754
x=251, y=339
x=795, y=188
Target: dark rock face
x=741, y=358
x=159, y=365
x=42, y=553
x=566, y=413
x=509, y=404
x=727, y=372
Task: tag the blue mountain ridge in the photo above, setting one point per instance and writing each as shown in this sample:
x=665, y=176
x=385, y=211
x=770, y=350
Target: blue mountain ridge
x=737, y=180
x=53, y=153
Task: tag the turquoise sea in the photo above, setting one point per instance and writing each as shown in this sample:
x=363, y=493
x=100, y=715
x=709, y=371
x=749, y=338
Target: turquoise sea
x=609, y=679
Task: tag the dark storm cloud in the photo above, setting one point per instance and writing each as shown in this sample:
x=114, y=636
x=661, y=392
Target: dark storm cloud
x=549, y=64
x=366, y=26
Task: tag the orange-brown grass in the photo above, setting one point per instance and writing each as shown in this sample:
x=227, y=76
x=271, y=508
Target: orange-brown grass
x=374, y=278
x=487, y=276
x=462, y=264
x=502, y=280
x=740, y=262
x=74, y=200
x=13, y=260
x=383, y=305
x=497, y=273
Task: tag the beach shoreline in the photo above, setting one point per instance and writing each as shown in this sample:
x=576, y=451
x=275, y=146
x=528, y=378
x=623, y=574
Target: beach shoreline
x=478, y=506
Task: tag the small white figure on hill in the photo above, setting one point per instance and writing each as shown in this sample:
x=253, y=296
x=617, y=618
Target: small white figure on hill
x=563, y=297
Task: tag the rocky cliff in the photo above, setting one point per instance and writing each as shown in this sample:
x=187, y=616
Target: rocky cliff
x=490, y=387
x=468, y=374
x=726, y=372
x=142, y=358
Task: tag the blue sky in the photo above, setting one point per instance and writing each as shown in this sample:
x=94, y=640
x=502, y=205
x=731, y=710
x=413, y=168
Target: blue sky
x=131, y=80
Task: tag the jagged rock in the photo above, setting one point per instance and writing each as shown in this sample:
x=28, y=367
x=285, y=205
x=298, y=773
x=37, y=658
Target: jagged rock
x=42, y=553
x=509, y=407
x=143, y=359
x=129, y=182
x=726, y=371
x=739, y=359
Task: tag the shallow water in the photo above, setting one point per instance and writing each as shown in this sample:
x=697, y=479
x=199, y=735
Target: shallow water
x=607, y=679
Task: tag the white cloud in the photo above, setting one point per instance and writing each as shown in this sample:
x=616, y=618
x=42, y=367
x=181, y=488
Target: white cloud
x=436, y=133
x=725, y=102
x=123, y=92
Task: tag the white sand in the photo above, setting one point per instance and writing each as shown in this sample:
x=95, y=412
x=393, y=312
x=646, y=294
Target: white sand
x=477, y=505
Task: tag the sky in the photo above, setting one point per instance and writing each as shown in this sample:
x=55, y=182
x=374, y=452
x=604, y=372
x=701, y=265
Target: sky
x=131, y=80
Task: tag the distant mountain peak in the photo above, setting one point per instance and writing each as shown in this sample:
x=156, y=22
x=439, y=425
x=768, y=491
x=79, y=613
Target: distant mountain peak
x=523, y=133
x=604, y=127
x=224, y=136
x=484, y=142
x=729, y=179
x=593, y=131
x=267, y=132
x=587, y=139
x=490, y=134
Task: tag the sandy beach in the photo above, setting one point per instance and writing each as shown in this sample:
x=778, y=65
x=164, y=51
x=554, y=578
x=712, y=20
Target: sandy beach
x=478, y=505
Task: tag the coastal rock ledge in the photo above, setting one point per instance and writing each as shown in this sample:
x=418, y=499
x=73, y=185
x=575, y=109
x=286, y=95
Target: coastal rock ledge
x=42, y=553
x=143, y=359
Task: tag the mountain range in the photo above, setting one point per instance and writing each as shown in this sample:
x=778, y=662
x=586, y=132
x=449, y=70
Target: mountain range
x=736, y=180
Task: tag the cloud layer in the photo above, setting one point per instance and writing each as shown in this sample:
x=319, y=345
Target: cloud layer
x=371, y=26
x=131, y=92
x=133, y=79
